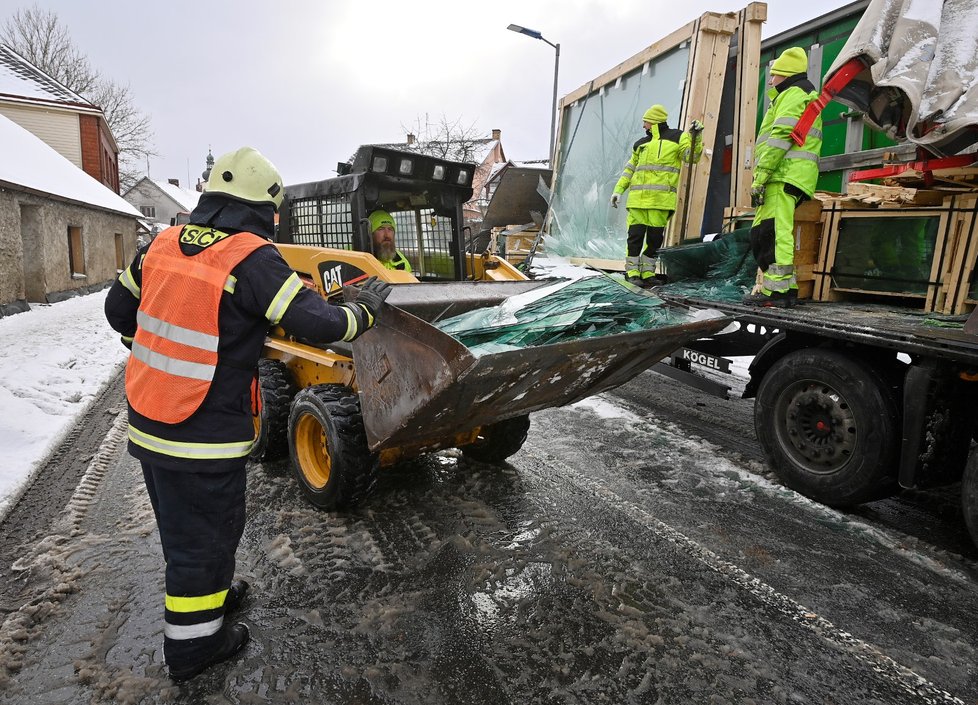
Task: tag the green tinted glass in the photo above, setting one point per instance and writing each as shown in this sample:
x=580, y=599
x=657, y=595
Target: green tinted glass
x=568, y=310
x=885, y=254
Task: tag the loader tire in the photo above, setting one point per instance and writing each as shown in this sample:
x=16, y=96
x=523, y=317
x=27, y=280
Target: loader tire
x=328, y=444
x=498, y=441
x=829, y=426
x=272, y=425
x=969, y=495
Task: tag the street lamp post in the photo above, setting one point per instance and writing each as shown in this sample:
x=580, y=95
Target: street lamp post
x=553, y=108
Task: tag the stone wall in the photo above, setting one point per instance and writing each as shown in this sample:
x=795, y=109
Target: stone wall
x=34, y=259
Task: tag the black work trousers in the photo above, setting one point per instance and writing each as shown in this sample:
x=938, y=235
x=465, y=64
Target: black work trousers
x=201, y=518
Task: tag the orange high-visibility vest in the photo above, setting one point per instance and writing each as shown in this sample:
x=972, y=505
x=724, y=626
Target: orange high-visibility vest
x=174, y=351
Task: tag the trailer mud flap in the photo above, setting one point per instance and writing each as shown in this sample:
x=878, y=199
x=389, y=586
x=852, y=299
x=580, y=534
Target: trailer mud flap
x=419, y=385
x=938, y=425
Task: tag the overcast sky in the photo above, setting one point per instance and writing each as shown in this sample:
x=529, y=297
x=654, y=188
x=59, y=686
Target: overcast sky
x=306, y=82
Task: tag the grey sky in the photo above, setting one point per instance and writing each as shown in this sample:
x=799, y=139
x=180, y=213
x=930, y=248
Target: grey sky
x=307, y=82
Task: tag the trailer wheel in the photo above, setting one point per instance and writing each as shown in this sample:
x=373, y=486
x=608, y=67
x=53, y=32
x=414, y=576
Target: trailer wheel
x=969, y=495
x=328, y=444
x=499, y=440
x=829, y=426
x=272, y=425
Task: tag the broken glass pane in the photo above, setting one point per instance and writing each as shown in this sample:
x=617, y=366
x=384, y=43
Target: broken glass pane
x=597, y=134
x=567, y=310
x=720, y=270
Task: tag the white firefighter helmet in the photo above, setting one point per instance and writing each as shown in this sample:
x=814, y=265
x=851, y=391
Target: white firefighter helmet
x=248, y=176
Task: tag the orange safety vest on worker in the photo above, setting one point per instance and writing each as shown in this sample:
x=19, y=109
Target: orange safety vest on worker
x=174, y=351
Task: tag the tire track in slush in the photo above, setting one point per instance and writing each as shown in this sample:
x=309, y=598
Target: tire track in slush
x=869, y=655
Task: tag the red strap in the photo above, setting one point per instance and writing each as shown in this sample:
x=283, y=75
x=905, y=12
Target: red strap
x=840, y=79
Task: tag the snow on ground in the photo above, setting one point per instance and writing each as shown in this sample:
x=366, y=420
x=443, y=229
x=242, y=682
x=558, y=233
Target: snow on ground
x=55, y=360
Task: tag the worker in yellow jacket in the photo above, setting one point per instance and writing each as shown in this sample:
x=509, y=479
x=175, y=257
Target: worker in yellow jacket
x=651, y=177
x=785, y=174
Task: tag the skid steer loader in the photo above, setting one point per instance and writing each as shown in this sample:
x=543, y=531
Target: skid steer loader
x=405, y=388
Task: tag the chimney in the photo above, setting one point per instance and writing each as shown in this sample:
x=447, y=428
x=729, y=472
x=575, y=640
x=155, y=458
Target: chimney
x=175, y=182
x=497, y=134
x=410, y=139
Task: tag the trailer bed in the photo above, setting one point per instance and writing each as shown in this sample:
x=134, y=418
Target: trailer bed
x=879, y=325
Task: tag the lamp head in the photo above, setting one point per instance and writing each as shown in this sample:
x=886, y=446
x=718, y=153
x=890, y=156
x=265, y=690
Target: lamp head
x=525, y=30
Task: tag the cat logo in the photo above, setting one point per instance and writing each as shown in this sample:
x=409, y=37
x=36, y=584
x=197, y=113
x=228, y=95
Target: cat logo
x=332, y=278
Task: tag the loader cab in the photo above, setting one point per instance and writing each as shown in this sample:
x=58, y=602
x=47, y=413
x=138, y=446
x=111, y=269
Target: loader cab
x=423, y=194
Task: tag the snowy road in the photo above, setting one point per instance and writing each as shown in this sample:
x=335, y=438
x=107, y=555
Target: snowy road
x=619, y=558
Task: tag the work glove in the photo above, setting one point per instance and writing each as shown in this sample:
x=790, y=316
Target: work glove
x=372, y=294
x=696, y=127
x=614, y=200
x=364, y=310
x=757, y=194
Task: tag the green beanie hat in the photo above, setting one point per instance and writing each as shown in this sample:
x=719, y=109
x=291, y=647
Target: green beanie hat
x=657, y=113
x=791, y=61
x=378, y=218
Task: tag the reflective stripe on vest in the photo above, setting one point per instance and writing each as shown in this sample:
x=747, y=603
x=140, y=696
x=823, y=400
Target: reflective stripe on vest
x=658, y=167
x=652, y=187
x=174, y=352
x=190, y=451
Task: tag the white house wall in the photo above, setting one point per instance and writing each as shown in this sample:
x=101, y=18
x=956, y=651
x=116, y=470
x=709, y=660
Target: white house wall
x=58, y=129
x=147, y=194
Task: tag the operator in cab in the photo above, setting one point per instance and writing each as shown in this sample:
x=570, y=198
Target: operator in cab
x=382, y=229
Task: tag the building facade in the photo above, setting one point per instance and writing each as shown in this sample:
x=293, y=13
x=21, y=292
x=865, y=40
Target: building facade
x=72, y=126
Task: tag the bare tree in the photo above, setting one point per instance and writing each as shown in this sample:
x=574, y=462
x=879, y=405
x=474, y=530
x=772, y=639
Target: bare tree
x=445, y=138
x=39, y=37
x=130, y=127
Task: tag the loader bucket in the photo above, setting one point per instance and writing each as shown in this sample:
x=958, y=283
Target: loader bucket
x=418, y=385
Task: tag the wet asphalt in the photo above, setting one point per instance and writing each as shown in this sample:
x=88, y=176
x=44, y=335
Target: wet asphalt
x=636, y=550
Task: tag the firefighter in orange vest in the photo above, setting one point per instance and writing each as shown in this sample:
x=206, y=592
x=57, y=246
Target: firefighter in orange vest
x=194, y=306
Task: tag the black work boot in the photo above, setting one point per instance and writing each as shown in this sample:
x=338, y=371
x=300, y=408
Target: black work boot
x=635, y=279
x=234, y=638
x=777, y=299
x=236, y=594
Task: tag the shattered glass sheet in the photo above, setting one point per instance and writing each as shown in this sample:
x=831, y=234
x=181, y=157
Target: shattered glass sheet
x=597, y=133
x=567, y=310
x=720, y=270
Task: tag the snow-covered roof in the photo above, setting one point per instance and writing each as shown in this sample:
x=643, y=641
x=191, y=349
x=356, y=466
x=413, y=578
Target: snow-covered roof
x=30, y=163
x=186, y=198
x=19, y=78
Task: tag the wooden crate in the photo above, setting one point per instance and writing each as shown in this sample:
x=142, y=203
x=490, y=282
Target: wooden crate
x=944, y=273
x=808, y=237
x=956, y=296
x=517, y=245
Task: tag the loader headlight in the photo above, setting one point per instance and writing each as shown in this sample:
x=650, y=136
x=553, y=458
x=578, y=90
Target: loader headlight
x=463, y=177
x=438, y=174
x=407, y=167
x=379, y=164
